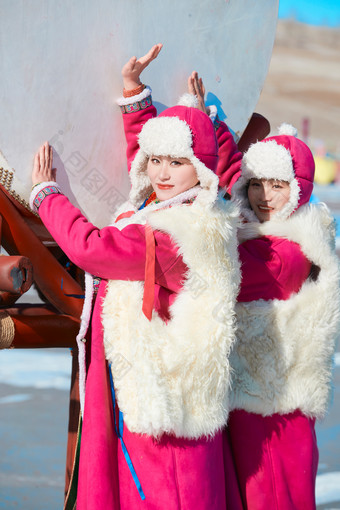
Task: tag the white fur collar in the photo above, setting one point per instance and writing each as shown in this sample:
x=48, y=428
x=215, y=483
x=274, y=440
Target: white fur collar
x=282, y=359
x=308, y=223
x=178, y=381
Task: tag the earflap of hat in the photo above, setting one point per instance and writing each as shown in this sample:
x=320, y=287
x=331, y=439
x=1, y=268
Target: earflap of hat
x=292, y=204
x=208, y=181
x=140, y=183
x=240, y=197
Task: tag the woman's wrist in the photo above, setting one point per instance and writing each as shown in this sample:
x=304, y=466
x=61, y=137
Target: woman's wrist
x=40, y=191
x=130, y=92
x=34, y=185
x=144, y=96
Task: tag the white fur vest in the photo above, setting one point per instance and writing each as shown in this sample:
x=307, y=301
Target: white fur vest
x=282, y=359
x=178, y=373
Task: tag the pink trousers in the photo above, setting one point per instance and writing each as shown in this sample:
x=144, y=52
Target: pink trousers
x=276, y=460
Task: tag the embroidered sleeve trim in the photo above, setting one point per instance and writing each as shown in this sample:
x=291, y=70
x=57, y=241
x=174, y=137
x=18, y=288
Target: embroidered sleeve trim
x=49, y=189
x=137, y=106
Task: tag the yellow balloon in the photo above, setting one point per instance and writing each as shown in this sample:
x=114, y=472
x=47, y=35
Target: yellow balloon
x=325, y=170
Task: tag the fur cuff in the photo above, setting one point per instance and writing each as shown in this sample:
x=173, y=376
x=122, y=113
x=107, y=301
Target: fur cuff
x=124, y=101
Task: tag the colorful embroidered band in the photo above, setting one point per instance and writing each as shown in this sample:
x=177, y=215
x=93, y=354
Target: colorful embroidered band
x=49, y=190
x=138, y=105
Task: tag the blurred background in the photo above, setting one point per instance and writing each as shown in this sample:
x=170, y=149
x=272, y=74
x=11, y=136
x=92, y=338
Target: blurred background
x=302, y=88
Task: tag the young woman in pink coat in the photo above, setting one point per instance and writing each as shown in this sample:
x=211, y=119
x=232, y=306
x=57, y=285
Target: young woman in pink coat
x=287, y=313
x=152, y=422
x=288, y=319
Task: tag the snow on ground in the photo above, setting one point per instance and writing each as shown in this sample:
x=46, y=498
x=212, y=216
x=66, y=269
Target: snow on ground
x=327, y=488
x=51, y=368
x=37, y=368
x=337, y=359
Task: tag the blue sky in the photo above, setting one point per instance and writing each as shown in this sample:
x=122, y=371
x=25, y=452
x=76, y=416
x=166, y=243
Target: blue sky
x=313, y=12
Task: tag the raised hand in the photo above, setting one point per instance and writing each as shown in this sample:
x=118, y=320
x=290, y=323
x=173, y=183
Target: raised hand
x=132, y=70
x=42, y=165
x=196, y=87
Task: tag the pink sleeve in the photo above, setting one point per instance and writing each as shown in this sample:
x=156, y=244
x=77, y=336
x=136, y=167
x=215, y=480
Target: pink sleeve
x=229, y=158
x=108, y=252
x=272, y=268
x=133, y=123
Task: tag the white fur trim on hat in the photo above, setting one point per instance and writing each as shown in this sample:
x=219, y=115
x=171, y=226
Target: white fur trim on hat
x=268, y=160
x=189, y=100
x=287, y=129
x=292, y=203
x=166, y=136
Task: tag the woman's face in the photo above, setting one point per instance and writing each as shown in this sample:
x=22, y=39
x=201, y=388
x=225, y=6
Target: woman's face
x=170, y=176
x=267, y=197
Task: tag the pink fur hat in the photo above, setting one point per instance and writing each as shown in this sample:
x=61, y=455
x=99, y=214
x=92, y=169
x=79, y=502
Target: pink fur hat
x=179, y=132
x=283, y=157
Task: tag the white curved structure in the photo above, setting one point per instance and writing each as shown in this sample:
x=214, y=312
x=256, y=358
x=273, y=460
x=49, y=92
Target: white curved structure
x=60, y=68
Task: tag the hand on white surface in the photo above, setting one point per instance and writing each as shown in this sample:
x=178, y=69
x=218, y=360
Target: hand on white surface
x=42, y=166
x=196, y=87
x=132, y=70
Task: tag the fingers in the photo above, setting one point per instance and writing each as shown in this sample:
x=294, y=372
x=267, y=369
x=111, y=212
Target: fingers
x=202, y=87
x=42, y=165
x=150, y=56
x=153, y=52
x=191, y=83
x=195, y=85
x=129, y=66
x=136, y=66
x=197, y=88
x=46, y=157
x=132, y=70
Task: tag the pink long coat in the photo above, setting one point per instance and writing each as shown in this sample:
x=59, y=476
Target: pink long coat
x=268, y=452
x=174, y=473
x=276, y=457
